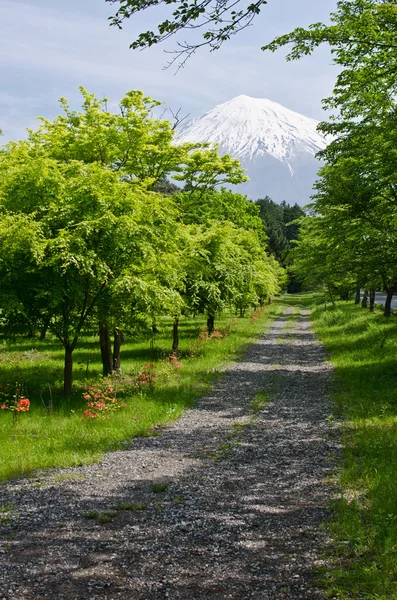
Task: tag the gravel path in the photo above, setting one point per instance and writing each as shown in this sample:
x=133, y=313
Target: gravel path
x=240, y=495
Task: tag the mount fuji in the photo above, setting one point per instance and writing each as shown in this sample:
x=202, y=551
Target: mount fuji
x=274, y=144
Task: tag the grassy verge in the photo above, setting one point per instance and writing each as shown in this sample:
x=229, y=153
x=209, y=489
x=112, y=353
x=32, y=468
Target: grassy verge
x=363, y=348
x=53, y=432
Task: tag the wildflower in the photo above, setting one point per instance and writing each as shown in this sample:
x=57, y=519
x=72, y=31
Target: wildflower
x=175, y=362
x=100, y=399
x=88, y=414
x=204, y=337
x=23, y=404
x=216, y=335
x=3, y=406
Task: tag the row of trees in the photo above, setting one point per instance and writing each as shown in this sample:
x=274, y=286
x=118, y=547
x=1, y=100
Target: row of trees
x=348, y=241
x=87, y=241
x=282, y=228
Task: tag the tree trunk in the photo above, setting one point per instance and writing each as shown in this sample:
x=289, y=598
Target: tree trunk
x=344, y=295
x=175, y=336
x=364, y=301
x=389, y=298
x=68, y=370
x=118, y=340
x=357, y=296
x=106, y=350
x=242, y=312
x=210, y=323
x=371, y=299
x=44, y=329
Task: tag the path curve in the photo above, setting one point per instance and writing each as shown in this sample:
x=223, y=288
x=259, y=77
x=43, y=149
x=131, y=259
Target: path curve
x=240, y=516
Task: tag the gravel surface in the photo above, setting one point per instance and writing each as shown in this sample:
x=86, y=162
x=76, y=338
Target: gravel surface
x=224, y=503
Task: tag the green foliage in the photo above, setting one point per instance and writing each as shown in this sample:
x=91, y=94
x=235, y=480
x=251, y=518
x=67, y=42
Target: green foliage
x=86, y=239
x=131, y=142
x=228, y=267
x=282, y=229
x=351, y=242
x=204, y=207
x=165, y=187
x=87, y=243
x=362, y=38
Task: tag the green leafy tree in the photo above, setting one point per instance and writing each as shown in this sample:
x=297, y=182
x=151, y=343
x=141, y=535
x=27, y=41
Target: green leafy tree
x=141, y=150
x=282, y=228
x=133, y=143
x=95, y=231
x=228, y=267
x=358, y=183
x=362, y=36
x=204, y=206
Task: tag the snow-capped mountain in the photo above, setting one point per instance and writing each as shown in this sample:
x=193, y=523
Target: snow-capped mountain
x=276, y=145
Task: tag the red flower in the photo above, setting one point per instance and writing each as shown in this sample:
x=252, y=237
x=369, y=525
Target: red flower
x=3, y=406
x=23, y=404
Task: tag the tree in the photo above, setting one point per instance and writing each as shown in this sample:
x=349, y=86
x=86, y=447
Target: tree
x=358, y=184
x=141, y=151
x=165, y=187
x=204, y=206
x=132, y=143
x=95, y=233
x=21, y=251
x=110, y=246
x=363, y=41
x=282, y=228
x=228, y=267
x=349, y=239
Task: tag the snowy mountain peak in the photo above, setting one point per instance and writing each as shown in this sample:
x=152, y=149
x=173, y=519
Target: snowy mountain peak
x=250, y=128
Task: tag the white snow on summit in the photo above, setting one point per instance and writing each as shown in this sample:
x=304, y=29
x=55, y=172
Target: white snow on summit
x=251, y=127
x=275, y=145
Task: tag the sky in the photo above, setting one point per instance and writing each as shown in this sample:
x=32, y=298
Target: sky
x=48, y=48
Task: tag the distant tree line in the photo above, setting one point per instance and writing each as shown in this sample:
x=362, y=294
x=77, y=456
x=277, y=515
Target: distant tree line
x=282, y=229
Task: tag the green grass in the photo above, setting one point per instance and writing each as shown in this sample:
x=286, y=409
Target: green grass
x=130, y=506
x=158, y=488
x=53, y=433
x=363, y=349
x=258, y=401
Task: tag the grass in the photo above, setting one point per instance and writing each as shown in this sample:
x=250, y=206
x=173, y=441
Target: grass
x=158, y=488
x=53, y=433
x=363, y=349
x=258, y=401
x=131, y=506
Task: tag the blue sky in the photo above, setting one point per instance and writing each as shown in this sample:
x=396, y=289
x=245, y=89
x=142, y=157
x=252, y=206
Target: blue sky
x=50, y=47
